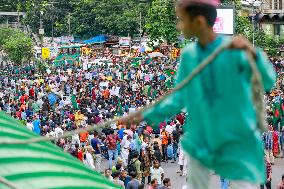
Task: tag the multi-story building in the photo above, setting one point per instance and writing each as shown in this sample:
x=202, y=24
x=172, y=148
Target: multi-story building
x=271, y=17
x=268, y=15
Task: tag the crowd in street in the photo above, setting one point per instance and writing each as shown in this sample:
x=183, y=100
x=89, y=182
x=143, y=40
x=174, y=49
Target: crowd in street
x=75, y=96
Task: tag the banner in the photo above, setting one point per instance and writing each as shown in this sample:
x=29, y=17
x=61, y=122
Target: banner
x=45, y=52
x=124, y=41
x=225, y=20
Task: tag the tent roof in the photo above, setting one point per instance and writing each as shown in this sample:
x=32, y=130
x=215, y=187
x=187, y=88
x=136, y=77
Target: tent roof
x=97, y=39
x=41, y=165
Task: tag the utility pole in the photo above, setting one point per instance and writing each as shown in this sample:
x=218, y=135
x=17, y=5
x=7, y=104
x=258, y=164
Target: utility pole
x=52, y=26
x=69, y=24
x=140, y=29
x=41, y=31
x=18, y=24
x=253, y=26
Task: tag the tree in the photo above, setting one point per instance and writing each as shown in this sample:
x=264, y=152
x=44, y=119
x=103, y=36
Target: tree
x=116, y=17
x=161, y=24
x=16, y=44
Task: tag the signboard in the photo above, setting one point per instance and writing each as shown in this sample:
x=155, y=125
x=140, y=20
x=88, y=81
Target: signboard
x=124, y=41
x=41, y=31
x=64, y=39
x=225, y=20
x=45, y=53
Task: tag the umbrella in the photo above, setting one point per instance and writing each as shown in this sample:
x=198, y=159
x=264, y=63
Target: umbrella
x=156, y=54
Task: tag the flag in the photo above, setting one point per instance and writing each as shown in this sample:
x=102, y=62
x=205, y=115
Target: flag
x=154, y=94
x=135, y=63
x=74, y=102
x=149, y=93
x=119, y=109
x=168, y=83
x=170, y=72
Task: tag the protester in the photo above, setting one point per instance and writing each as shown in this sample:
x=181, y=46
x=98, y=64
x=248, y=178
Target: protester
x=135, y=166
x=111, y=142
x=281, y=183
x=89, y=160
x=225, y=184
x=108, y=174
x=166, y=184
x=267, y=138
x=96, y=144
x=157, y=172
x=125, y=178
x=116, y=179
x=182, y=162
x=154, y=184
x=134, y=183
x=268, y=175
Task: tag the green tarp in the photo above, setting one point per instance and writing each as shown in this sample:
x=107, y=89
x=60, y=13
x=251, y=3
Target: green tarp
x=41, y=165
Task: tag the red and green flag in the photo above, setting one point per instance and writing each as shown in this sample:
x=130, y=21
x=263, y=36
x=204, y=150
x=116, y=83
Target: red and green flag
x=170, y=72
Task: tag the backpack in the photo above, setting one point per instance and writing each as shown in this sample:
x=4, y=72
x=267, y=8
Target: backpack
x=131, y=167
x=170, y=151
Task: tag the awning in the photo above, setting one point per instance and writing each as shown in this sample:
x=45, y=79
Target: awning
x=262, y=17
x=97, y=39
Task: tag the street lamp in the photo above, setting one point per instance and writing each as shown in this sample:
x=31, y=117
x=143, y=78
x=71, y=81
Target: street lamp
x=253, y=4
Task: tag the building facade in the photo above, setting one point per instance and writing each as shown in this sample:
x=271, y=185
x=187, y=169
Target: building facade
x=271, y=17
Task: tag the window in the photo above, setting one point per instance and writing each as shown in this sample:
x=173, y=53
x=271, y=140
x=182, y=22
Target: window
x=275, y=4
x=282, y=30
x=277, y=29
x=280, y=4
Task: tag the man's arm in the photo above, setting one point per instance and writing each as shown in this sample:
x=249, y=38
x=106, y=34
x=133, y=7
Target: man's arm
x=264, y=66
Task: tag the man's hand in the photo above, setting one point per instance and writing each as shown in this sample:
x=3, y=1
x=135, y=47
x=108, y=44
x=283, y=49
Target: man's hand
x=240, y=42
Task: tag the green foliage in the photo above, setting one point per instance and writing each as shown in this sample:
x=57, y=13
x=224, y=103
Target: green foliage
x=41, y=66
x=161, y=23
x=16, y=44
x=87, y=17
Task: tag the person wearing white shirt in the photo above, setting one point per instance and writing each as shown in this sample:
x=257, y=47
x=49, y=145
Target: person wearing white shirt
x=89, y=158
x=169, y=128
x=75, y=139
x=125, y=147
x=134, y=87
x=157, y=172
x=30, y=125
x=51, y=134
x=58, y=131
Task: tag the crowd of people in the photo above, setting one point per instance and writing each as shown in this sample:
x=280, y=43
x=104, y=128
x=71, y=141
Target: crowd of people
x=273, y=139
x=75, y=96
x=72, y=96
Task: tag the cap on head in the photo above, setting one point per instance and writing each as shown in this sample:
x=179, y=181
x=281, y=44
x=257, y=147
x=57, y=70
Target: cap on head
x=214, y=3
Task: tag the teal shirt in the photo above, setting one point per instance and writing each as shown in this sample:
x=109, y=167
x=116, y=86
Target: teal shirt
x=220, y=131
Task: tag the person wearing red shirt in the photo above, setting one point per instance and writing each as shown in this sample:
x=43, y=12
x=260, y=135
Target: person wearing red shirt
x=23, y=98
x=180, y=118
x=32, y=92
x=84, y=137
x=111, y=141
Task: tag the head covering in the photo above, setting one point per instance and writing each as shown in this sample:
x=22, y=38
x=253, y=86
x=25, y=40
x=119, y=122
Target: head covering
x=214, y=3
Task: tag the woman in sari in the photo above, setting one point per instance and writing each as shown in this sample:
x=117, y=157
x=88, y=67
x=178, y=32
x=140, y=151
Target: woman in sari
x=275, y=143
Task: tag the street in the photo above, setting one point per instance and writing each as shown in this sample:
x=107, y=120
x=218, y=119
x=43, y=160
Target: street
x=178, y=181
